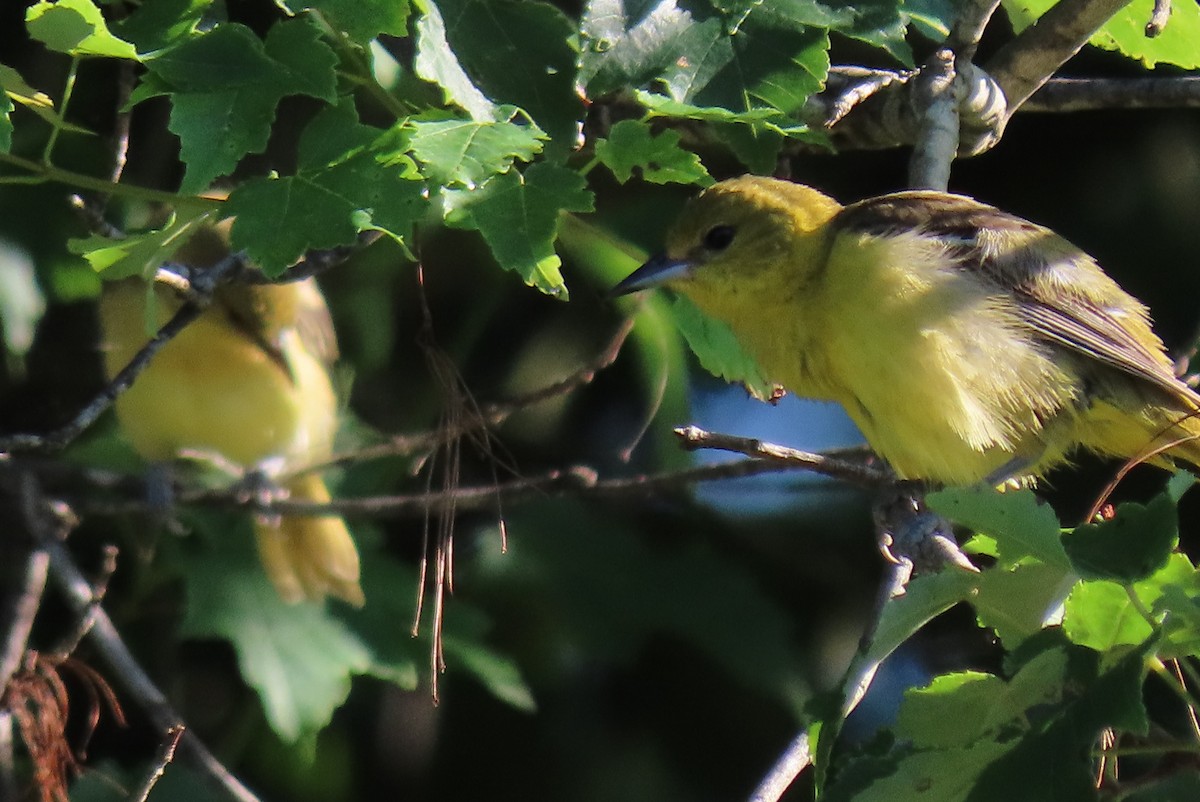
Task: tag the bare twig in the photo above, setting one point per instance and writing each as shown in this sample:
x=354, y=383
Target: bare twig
x=493, y=414
x=853, y=471
x=129, y=673
x=166, y=754
x=24, y=567
x=1060, y=95
x=857, y=679
x=1158, y=18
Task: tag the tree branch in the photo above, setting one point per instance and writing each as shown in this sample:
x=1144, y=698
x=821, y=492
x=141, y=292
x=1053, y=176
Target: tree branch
x=1023, y=65
x=129, y=673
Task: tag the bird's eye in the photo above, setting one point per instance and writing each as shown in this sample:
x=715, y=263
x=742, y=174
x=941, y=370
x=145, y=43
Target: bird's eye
x=718, y=238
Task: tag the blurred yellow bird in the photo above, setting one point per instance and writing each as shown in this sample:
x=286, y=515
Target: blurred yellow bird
x=968, y=344
x=247, y=380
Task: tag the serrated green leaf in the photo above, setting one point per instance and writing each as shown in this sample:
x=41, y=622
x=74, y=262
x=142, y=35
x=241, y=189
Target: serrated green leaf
x=1100, y=615
x=882, y=24
x=719, y=351
x=519, y=53
x=1125, y=32
x=361, y=20
x=1022, y=525
x=437, y=63
x=968, y=697
x=17, y=91
x=628, y=44
x=763, y=122
x=159, y=24
x=75, y=27
x=631, y=146
x=299, y=658
x=925, y=597
x=1016, y=600
x=225, y=85
x=467, y=152
x=961, y=708
x=138, y=254
x=340, y=189
x=755, y=54
x=518, y=218
x=1130, y=546
x=755, y=146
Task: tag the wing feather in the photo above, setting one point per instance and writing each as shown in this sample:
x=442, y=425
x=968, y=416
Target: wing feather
x=1057, y=289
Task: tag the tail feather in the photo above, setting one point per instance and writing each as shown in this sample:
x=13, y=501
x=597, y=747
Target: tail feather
x=309, y=557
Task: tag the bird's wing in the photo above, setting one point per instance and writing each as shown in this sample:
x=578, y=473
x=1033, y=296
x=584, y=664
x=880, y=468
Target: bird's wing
x=1060, y=291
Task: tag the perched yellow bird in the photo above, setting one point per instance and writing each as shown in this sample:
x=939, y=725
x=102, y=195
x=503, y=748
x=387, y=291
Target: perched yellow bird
x=967, y=344
x=247, y=380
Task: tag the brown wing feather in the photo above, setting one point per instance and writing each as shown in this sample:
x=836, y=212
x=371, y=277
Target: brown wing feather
x=1059, y=291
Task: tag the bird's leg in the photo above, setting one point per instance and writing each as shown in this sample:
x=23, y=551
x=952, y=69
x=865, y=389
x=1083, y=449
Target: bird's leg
x=160, y=497
x=257, y=484
x=908, y=531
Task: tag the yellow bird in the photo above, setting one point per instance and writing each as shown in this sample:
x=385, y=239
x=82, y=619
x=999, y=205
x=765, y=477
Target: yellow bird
x=968, y=344
x=248, y=380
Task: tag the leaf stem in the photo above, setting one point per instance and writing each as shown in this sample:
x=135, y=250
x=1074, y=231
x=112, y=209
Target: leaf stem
x=43, y=173
x=60, y=119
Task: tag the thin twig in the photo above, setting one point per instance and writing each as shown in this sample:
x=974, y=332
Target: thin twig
x=203, y=282
x=1061, y=95
x=1158, y=18
x=130, y=674
x=166, y=754
x=493, y=414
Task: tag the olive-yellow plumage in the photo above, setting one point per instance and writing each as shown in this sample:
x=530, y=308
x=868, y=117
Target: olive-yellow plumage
x=967, y=344
x=247, y=380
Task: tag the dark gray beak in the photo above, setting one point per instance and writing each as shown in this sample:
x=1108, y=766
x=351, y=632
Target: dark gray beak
x=659, y=270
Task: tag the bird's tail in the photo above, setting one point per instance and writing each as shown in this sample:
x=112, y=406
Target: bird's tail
x=309, y=557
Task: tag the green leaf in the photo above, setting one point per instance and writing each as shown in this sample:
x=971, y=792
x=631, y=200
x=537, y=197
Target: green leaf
x=1100, y=615
x=1130, y=546
x=340, y=189
x=159, y=24
x=138, y=254
x=298, y=657
x=225, y=84
x=361, y=20
x=467, y=152
x=958, y=709
x=719, y=351
x=1016, y=600
x=436, y=62
x=756, y=146
x=518, y=218
x=631, y=146
x=75, y=27
x=1125, y=32
x=17, y=91
x=925, y=597
x=881, y=23
x=519, y=53
x=1021, y=524
x=739, y=57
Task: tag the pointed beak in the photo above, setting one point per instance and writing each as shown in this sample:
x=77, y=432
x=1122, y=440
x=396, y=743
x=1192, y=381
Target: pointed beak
x=656, y=272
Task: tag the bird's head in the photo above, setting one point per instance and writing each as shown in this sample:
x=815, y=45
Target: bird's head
x=737, y=235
